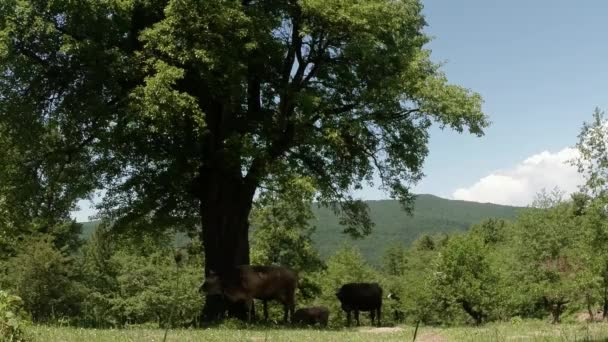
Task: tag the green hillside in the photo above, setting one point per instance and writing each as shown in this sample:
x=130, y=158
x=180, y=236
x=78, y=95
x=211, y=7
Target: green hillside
x=432, y=214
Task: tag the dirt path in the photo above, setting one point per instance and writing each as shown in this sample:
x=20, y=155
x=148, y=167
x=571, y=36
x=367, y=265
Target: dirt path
x=431, y=337
x=382, y=330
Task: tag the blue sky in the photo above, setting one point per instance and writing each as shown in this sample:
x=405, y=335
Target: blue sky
x=541, y=67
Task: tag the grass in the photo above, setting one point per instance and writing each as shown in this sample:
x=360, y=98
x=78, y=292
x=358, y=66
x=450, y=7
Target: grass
x=524, y=331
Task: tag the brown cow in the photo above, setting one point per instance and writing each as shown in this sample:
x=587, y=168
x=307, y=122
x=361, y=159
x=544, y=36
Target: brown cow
x=244, y=283
x=312, y=316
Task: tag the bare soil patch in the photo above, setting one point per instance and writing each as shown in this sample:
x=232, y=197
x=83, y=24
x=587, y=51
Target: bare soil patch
x=431, y=337
x=583, y=316
x=382, y=330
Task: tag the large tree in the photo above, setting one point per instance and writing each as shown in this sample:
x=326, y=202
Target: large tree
x=184, y=109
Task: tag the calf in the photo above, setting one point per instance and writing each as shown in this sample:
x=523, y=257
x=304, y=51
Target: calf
x=361, y=297
x=244, y=283
x=312, y=316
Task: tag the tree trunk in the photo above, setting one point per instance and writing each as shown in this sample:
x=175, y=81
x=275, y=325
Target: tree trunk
x=557, y=308
x=475, y=314
x=225, y=206
x=556, y=312
x=590, y=307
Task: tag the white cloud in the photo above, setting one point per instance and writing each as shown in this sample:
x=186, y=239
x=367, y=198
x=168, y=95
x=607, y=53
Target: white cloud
x=519, y=185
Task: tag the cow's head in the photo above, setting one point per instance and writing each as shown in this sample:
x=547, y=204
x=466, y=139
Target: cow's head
x=212, y=284
x=340, y=296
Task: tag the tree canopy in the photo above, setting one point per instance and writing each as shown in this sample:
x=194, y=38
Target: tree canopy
x=142, y=97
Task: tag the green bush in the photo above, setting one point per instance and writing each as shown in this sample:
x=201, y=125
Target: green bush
x=13, y=318
x=47, y=280
x=133, y=283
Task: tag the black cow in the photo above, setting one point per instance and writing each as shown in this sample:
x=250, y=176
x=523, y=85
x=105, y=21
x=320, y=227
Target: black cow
x=361, y=297
x=244, y=283
x=312, y=316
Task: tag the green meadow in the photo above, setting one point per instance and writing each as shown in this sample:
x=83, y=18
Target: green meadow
x=524, y=331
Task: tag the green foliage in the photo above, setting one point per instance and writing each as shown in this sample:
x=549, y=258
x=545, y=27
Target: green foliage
x=132, y=282
x=282, y=233
x=465, y=278
x=150, y=288
x=13, y=319
x=592, y=161
x=414, y=287
x=46, y=279
x=347, y=265
x=550, y=250
x=395, y=260
x=155, y=100
x=492, y=231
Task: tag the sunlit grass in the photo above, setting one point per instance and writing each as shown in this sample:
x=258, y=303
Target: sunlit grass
x=524, y=331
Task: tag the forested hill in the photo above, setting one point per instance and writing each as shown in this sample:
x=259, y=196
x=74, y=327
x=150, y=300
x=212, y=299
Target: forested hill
x=431, y=215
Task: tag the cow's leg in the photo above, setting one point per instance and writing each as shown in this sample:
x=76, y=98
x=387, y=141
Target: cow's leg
x=252, y=310
x=289, y=307
x=348, y=318
x=372, y=314
x=249, y=305
x=379, y=313
x=357, y=317
x=285, y=312
x=265, y=310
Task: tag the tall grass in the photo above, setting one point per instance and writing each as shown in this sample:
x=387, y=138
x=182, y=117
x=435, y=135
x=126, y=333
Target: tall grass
x=524, y=331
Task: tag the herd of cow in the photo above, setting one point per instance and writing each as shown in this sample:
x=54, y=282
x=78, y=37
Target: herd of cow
x=245, y=283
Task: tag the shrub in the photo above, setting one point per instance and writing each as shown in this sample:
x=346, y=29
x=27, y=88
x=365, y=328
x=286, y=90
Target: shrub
x=46, y=279
x=13, y=318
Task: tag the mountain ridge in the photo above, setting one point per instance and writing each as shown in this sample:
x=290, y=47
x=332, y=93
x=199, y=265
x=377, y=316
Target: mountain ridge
x=431, y=215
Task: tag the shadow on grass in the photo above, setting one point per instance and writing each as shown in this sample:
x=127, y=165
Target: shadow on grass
x=230, y=324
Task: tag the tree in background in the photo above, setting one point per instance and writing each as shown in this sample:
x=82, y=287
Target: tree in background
x=46, y=279
x=394, y=261
x=134, y=280
x=347, y=265
x=418, y=299
x=99, y=274
x=491, y=231
x=595, y=224
x=464, y=277
x=592, y=163
x=550, y=251
x=180, y=107
x=282, y=232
